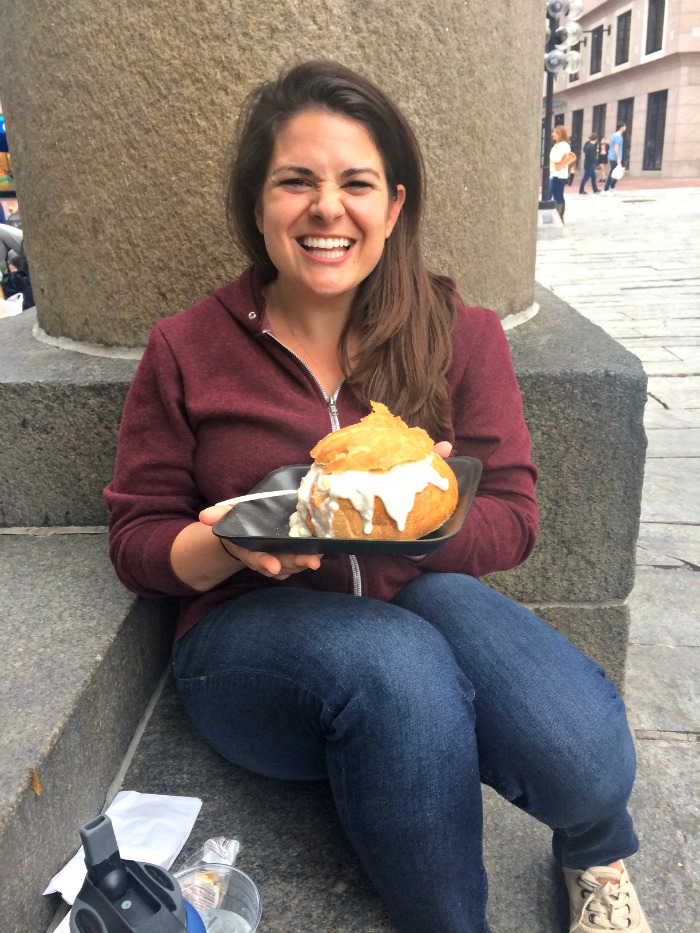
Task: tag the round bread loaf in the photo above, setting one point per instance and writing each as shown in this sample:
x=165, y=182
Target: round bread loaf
x=376, y=479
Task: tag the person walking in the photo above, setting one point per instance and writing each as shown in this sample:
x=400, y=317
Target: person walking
x=590, y=151
x=561, y=158
x=615, y=157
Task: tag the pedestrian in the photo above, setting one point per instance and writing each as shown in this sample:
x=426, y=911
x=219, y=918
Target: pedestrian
x=590, y=151
x=602, y=160
x=403, y=682
x=561, y=158
x=615, y=156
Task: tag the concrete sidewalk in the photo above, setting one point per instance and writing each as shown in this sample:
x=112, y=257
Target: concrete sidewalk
x=631, y=264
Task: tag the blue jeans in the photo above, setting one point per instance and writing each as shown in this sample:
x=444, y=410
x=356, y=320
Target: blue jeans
x=610, y=182
x=557, y=185
x=588, y=175
x=405, y=708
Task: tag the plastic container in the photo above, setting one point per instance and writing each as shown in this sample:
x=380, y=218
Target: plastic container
x=226, y=899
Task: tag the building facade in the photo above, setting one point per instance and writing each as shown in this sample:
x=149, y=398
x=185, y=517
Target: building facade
x=640, y=65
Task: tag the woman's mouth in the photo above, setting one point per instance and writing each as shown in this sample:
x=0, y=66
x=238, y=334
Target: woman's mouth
x=325, y=247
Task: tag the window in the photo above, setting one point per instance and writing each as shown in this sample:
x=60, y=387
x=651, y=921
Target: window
x=598, y=125
x=577, y=131
x=559, y=119
x=625, y=111
x=655, y=26
x=654, y=134
x=574, y=76
x=596, y=50
x=622, y=38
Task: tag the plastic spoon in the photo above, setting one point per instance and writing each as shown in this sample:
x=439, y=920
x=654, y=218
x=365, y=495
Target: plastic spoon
x=258, y=495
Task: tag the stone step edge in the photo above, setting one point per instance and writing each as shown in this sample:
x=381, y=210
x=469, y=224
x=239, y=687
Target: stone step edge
x=39, y=832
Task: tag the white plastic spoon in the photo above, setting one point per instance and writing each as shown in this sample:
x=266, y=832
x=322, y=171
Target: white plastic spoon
x=258, y=495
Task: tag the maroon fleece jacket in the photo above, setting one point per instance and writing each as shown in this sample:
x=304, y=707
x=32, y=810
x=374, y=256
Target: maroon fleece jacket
x=217, y=403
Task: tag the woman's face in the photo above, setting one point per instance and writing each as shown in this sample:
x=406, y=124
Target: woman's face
x=325, y=210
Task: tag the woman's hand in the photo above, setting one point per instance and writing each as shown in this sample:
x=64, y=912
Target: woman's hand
x=443, y=449
x=278, y=566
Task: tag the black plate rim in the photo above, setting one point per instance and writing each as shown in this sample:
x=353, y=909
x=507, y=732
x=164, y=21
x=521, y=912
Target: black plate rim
x=467, y=470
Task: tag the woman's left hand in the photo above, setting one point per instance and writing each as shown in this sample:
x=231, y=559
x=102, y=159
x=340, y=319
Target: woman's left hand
x=443, y=449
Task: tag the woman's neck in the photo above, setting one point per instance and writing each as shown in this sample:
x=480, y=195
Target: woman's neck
x=311, y=330
x=318, y=319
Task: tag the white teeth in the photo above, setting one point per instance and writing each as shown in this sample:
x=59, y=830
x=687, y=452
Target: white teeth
x=319, y=242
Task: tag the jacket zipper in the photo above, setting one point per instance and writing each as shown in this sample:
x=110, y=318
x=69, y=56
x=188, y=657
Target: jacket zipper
x=335, y=424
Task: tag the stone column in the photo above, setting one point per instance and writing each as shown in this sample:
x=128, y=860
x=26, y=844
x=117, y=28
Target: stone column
x=119, y=114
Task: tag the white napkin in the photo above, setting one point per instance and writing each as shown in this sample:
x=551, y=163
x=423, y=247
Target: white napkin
x=148, y=828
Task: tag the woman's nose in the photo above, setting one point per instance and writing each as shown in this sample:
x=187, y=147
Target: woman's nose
x=328, y=203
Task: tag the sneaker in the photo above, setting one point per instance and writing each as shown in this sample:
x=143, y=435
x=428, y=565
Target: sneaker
x=608, y=905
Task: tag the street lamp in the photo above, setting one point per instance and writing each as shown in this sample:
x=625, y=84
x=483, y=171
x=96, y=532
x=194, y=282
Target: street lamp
x=558, y=57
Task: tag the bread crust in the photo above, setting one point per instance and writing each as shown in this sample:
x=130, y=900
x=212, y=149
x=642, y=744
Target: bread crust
x=379, y=441
x=376, y=445
x=431, y=509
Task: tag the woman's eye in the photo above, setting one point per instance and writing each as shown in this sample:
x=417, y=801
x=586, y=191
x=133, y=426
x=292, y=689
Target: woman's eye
x=358, y=185
x=295, y=183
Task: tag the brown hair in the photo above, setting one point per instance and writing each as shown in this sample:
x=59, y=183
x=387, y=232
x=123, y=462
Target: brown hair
x=561, y=133
x=402, y=313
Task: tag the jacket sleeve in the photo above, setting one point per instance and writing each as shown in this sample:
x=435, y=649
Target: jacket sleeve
x=500, y=529
x=152, y=496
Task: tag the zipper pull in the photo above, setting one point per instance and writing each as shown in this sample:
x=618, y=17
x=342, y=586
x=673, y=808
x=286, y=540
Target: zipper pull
x=333, y=411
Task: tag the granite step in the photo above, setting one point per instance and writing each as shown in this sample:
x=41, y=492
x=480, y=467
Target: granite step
x=81, y=659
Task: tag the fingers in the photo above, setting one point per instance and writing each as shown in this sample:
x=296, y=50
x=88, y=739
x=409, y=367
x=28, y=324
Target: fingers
x=212, y=514
x=278, y=566
x=443, y=449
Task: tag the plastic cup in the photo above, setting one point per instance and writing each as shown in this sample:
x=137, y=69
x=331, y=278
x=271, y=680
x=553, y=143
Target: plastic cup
x=226, y=899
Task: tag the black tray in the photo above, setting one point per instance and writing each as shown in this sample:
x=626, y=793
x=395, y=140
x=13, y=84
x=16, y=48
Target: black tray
x=263, y=525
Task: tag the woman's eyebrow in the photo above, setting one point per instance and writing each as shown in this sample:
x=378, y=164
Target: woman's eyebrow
x=297, y=169
x=307, y=173
x=360, y=171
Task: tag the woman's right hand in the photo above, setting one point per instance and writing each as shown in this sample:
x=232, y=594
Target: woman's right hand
x=278, y=566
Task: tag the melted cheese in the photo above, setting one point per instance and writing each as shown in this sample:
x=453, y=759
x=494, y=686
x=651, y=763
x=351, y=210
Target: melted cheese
x=397, y=488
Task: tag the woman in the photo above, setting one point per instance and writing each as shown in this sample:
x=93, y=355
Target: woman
x=405, y=683
x=561, y=161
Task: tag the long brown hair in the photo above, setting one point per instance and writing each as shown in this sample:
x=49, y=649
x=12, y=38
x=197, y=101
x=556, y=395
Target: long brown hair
x=402, y=313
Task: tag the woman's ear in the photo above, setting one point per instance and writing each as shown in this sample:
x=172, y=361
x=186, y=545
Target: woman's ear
x=395, y=209
x=259, y=217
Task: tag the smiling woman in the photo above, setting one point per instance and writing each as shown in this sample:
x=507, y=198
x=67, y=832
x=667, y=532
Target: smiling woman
x=403, y=682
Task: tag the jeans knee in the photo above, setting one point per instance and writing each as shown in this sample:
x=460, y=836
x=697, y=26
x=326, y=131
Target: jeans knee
x=600, y=782
x=409, y=689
